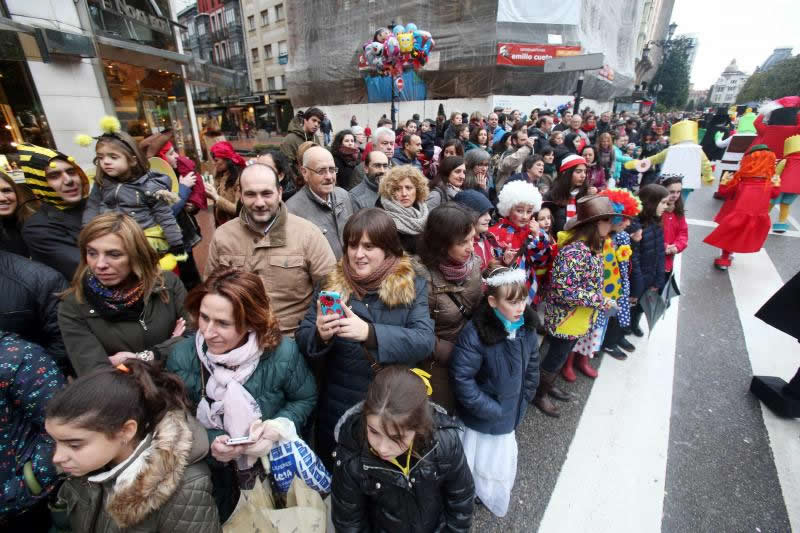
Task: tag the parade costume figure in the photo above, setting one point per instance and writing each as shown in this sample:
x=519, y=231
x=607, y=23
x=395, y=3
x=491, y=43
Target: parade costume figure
x=719, y=122
x=125, y=183
x=616, y=285
x=735, y=146
x=789, y=173
x=744, y=221
x=684, y=156
x=519, y=246
x=776, y=122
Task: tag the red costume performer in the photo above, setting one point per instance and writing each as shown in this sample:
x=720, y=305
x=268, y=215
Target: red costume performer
x=782, y=120
x=744, y=221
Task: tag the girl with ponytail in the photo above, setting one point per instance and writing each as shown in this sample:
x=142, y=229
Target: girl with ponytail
x=132, y=455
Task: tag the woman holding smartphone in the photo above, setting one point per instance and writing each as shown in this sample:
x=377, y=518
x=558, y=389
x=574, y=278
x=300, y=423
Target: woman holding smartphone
x=385, y=319
x=239, y=371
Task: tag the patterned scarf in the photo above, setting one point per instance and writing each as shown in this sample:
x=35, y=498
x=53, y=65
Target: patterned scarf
x=409, y=220
x=114, y=303
x=361, y=285
x=455, y=271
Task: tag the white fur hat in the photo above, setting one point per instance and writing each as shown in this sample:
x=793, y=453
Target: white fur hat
x=518, y=192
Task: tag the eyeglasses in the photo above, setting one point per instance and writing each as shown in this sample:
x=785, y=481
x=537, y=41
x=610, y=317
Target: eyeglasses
x=323, y=171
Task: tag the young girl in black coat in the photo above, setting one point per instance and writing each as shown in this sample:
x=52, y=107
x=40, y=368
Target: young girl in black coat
x=399, y=465
x=495, y=372
x=647, y=261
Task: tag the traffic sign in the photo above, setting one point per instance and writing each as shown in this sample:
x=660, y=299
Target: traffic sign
x=399, y=84
x=573, y=63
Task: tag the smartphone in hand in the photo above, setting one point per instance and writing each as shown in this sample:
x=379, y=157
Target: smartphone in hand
x=331, y=303
x=239, y=440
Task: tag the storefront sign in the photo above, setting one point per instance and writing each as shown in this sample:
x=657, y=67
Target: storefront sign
x=122, y=7
x=531, y=55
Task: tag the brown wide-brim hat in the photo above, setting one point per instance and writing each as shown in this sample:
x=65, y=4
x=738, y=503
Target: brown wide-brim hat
x=591, y=208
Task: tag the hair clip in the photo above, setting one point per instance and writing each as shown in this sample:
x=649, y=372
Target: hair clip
x=425, y=377
x=122, y=368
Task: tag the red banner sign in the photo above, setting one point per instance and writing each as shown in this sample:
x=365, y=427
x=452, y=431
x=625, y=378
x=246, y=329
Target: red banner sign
x=532, y=55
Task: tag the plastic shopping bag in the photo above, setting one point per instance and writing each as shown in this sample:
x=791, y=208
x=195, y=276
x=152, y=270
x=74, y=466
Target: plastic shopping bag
x=291, y=457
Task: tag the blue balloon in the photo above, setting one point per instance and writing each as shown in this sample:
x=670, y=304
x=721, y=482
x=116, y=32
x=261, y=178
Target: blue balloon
x=411, y=27
x=398, y=29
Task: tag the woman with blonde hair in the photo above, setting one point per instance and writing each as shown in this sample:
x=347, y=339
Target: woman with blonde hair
x=120, y=305
x=402, y=194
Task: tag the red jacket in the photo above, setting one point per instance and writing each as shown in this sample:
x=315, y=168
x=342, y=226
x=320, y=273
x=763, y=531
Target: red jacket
x=773, y=136
x=676, y=232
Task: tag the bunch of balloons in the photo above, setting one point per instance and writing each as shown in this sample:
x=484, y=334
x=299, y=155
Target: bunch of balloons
x=390, y=51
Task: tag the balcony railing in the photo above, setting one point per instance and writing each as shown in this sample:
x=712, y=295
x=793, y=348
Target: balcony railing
x=220, y=34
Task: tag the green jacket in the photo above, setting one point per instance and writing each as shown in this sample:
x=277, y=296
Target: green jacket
x=294, y=138
x=169, y=492
x=90, y=339
x=282, y=384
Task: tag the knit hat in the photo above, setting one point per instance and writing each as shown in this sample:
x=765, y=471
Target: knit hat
x=224, y=150
x=572, y=160
x=518, y=192
x=475, y=200
x=34, y=162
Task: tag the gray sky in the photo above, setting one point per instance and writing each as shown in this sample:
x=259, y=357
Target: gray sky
x=743, y=29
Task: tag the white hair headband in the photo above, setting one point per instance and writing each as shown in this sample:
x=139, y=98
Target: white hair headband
x=511, y=276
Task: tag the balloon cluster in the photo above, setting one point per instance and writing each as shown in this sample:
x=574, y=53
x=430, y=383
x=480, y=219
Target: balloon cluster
x=391, y=51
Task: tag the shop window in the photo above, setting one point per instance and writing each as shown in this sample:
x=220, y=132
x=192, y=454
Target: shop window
x=251, y=22
x=259, y=85
x=279, y=12
x=271, y=83
x=267, y=51
x=265, y=17
x=254, y=52
x=21, y=116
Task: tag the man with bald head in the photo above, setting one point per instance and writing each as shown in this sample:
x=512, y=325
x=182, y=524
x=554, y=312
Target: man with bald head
x=289, y=253
x=320, y=201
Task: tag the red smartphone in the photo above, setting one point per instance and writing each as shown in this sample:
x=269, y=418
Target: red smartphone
x=331, y=303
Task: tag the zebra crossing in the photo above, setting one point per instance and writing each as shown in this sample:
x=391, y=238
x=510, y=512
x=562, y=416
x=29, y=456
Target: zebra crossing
x=671, y=439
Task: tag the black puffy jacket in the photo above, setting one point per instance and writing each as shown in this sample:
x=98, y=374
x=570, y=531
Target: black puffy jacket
x=647, y=261
x=371, y=495
x=52, y=237
x=29, y=305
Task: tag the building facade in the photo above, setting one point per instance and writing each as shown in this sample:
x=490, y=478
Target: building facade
x=653, y=27
x=727, y=87
x=777, y=55
x=66, y=64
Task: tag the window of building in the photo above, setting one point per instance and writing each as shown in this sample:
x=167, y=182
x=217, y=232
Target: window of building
x=283, y=81
x=251, y=22
x=224, y=49
x=230, y=15
x=254, y=52
x=201, y=29
x=265, y=17
x=282, y=49
x=259, y=85
x=236, y=50
x=190, y=29
x=279, y=12
x=271, y=83
x=267, y=51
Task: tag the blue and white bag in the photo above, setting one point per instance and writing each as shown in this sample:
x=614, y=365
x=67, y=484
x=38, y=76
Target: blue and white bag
x=291, y=456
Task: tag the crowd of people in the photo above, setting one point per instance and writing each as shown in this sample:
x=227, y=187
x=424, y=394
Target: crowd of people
x=400, y=297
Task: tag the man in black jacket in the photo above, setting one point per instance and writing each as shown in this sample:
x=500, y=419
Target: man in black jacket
x=61, y=186
x=29, y=304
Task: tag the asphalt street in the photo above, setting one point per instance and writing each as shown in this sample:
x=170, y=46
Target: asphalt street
x=713, y=465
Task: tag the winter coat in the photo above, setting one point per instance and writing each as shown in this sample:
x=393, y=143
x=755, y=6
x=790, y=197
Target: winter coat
x=351, y=173
x=401, y=332
x=330, y=218
x=596, y=177
x=400, y=158
x=511, y=163
x=296, y=136
x=29, y=377
x=576, y=280
x=281, y=384
x=372, y=495
x=676, y=232
x=428, y=139
x=11, y=239
x=619, y=159
x=168, y=489
x=495, y=377
x=91, y=339
x=228, y=203
x=448, y=321
x=289, y=259
x=29, y=305
x=140, y=199
x=647, y=261
x=364, y=195
x=52, y=237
